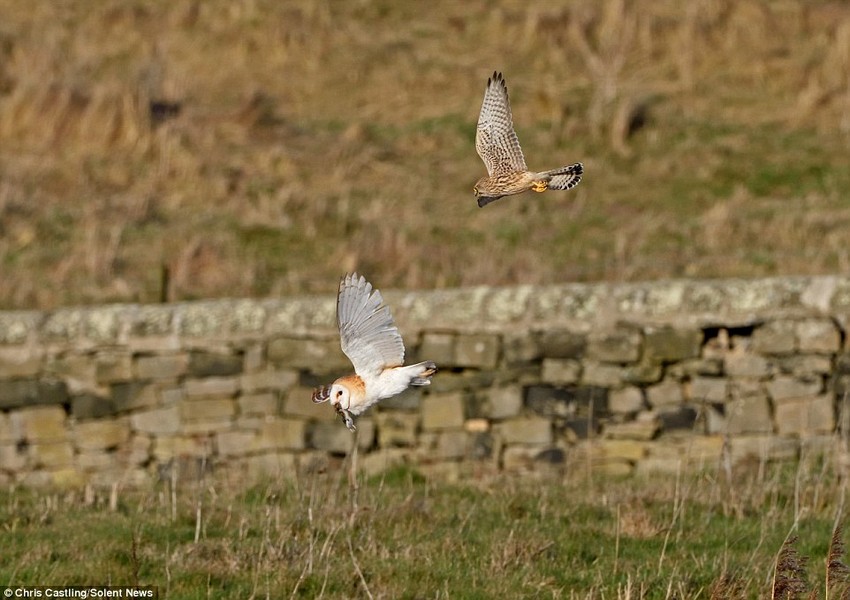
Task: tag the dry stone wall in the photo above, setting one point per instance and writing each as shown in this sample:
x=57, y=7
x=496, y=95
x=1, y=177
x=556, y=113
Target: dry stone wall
x=617, y=377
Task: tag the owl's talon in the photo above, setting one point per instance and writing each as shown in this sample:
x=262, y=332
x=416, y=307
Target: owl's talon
x=346, y=418
x=539, y=186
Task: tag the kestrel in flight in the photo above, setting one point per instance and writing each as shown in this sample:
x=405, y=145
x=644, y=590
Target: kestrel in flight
x=498, y=146
x=372, y=343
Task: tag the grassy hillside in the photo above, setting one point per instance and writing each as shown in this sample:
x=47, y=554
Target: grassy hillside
x=256, y=147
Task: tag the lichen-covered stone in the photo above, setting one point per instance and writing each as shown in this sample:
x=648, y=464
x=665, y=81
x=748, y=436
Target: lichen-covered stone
x=562, y=343
x=112, y=367
x=280, y=379
x=438, y=346
x=214, y=364
x=784, y=387
x=666, y=393
x=477, y=350
x=775, y=337
x=626, y=400
x=709, y=389
x=102, y=434
x=319, y=355
x=601, y=374
x=818, y=335
x=396, y=428
x=157, y=421
x=280, y=433
x=89, y=406
x=211, y=387
x=806, y=415
x=746, y=365
x=749, y=414
x=337, y=439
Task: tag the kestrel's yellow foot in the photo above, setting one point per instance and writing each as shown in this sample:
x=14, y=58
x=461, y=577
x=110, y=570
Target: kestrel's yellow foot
x=539, y=186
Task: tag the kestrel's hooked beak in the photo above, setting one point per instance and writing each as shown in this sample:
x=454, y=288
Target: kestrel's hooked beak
x=321, y=394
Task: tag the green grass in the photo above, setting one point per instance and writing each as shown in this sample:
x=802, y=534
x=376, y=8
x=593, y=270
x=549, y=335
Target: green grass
x=412, y=537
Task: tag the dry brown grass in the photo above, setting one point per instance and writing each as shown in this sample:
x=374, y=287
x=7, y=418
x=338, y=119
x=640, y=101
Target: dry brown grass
x=256, y=147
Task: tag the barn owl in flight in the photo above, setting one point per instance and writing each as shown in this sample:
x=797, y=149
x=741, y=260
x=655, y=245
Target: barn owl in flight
x=370, y=339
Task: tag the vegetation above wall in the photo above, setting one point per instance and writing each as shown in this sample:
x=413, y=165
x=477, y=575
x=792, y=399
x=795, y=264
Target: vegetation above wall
x=261, y=148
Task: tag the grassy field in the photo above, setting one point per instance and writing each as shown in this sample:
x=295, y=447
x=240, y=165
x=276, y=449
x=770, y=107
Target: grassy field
x=706, y=536
x=254, y=147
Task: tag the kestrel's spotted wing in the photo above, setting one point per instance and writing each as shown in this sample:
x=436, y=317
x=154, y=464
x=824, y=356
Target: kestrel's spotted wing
x=495, y=138
x=367, y=332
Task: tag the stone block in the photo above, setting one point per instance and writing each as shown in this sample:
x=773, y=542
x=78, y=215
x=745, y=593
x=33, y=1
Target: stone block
x=709, y=389
x=805, y=416
x=631, y=450
x=16, y=393
x=784, y=387
x=95, y=460
x=640, y=429
x=280, y=379
x=278, y=433
x=168, y=447
x=270, y=464
x=644, y=372
x=89, y=406
x=519, y=347
x=619, y=346
x=8, y=433
x=132, y=395
x=207, y=426
x=601, y=374
x=77, y=368
x=258, y=404
x=337, y=439
x=477, y=350
x=806, y=366
x=206, y=409
x=526, y=430
x=562, y=343
x=818, y=335
x=396, y=428
x=161, y=366
x=157, y=421
x=137, y=451
x=298, y=403
x=737, y=364
x=113, y=367
x=102, y=434
x=451, y=444
x=214, y=364
x=626, y=400
x=12, y=458
x=51, y=454
x=775, y=337
x=762, y=447
x=254, y=358
x=212, y=387
x=677, y=417
x=504, y=402
x=525, y=458
x=20, y=362
x=706, y=367
x=695, y=450
x=234, y=443
x=66, y=477
x=437, y=346
x=749, y=414
x=666, y=393
x=560, y=371
x=41, y=423
x=310, y=354
x=670, y=344
x=442, y=411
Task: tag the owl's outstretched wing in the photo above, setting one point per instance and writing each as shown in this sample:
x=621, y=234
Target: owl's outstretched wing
x=367, y=332
x=495, y=138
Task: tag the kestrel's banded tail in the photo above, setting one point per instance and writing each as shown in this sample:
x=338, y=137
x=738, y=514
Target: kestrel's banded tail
x=498, y=146
x=564, y=178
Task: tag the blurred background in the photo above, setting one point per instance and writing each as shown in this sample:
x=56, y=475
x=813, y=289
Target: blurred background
x=261, y=148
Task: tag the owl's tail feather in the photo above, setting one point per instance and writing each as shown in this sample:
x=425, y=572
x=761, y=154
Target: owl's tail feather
x=428, y=368
x=565, y=177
